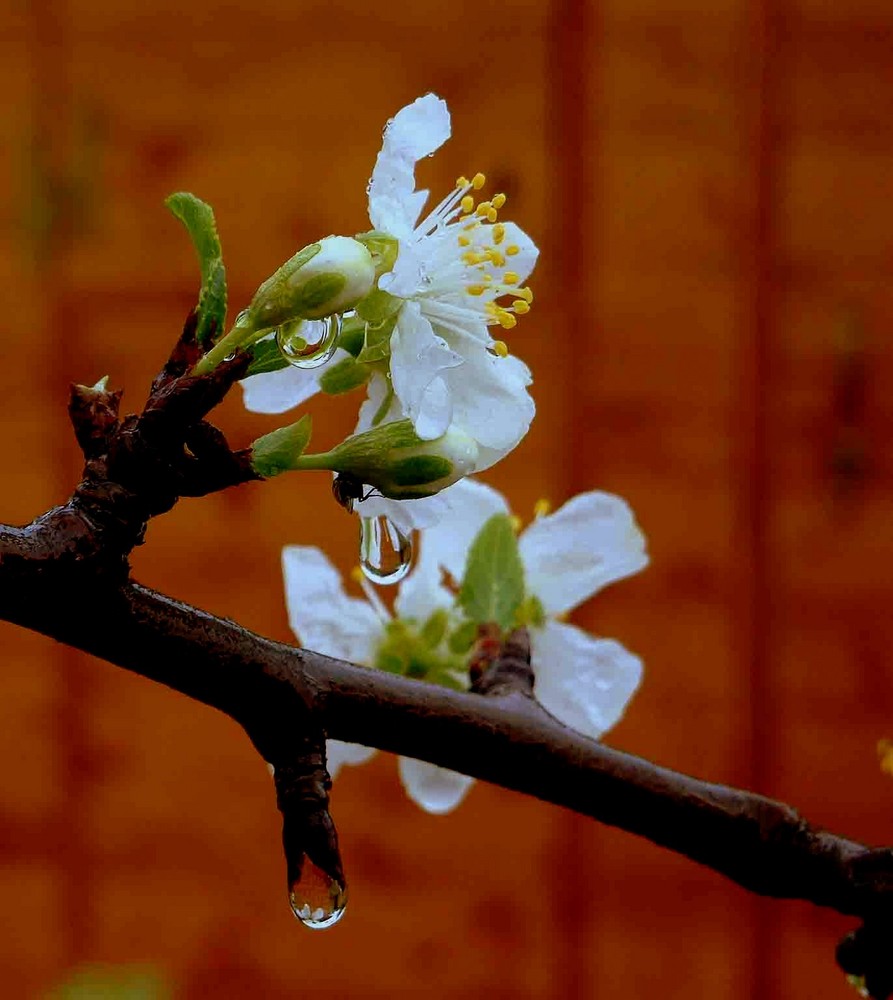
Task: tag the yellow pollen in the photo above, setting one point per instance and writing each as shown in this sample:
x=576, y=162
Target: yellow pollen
x=500, y=348
x=467, y=204
x=498, y=232
x=483, y=209
x=521, y=306
x=512, y=250
x=472, y=257
x=356, y=574
x=515, y=522
x=487, y=279
x=525, y=294
x=470, y=226
x=491, y=214
x=510, y=278
x=478, y=181
x=506, y=320
x=496, y=257
x=498, y=200
x=475, y=289
x=541, y=507
x=464, y=241
x=463, y=182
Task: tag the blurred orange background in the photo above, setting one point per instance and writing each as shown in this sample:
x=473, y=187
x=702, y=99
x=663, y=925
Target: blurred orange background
x=711, y=186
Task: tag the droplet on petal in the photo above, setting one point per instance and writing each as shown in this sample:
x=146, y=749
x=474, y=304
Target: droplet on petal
x=385, y=552
x=317, y=900
x=309, y=343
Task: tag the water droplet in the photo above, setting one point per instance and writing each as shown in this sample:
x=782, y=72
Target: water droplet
x=309, y=343
x=242, y=318
x=385, y=552
x=317, y=900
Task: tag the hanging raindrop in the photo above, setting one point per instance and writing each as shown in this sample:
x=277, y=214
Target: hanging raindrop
x=317, y=900
x=385, y=552
x=309, y=343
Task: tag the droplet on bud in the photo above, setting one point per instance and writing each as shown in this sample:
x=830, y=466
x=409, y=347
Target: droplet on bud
x=317, y=900
x=385, y=552
x=309, y=343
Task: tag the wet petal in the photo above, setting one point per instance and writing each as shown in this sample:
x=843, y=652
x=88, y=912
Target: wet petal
x=414, y=132
x=276, y=392
x=338, y=753
x=418, y=357
x=584, y=682
x=434, y=788
x=319, y=611
x=588, y=543
x=406, y=515
x=466, y=506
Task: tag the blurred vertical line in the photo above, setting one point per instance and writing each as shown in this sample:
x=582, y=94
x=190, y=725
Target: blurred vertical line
x=67, y=849
x=573, y=68
x=756, y=632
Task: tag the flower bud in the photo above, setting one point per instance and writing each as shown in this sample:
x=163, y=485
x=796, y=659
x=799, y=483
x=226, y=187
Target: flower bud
x=394, y=460
x=324, y=278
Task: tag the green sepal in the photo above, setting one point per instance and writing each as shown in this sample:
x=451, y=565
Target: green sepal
x=198, y=218
x=379, y=310
x=353, y=334
x=420, y=470
x=344, y=376
x=279, y=450
x=493, y=586
x=266, y=357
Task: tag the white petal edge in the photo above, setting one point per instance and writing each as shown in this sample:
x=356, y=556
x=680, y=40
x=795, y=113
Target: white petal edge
x=338, y=754
x=276, y=392
x=320, y=612
x=591, y=541
x=584, y=682
x=435, y=789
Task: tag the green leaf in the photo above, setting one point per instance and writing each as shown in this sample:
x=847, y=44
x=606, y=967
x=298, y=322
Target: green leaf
x=198, y=218
x=462, y=638
x=353, y=334
x=344, y=376
x=266, y=357
x=279, y=450
x=379, y=310
x=493, y=587
x=435, y=627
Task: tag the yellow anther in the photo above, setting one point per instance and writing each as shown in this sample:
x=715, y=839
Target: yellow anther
x=478, y=181
x=525, y=293
x=500, y=348
x=467, y=204
x=491, y=214
x=463, y=182
x=512, y=249
x=464, y=241
x=498, y=200
x=521, y=306
x=510, y=278
x=515, y=522
x=498, y=232
x=496, y=257
x=475, y=289
x=357, y=575
x=487, y=278
x=470, y=226
x=472, y=257
x=541, y=507
x=506, y=320
x=483, y=209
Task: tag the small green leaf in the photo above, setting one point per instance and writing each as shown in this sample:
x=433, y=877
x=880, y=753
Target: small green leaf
x=435, y=628
x=353, y=334
x=279, y=450
x=198, y=218
x=462, y=638
x=344, y=376
x=530, y=612
x=266, y=357
x=493, y=587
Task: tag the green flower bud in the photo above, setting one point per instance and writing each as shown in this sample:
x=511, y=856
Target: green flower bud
x=394, y=460
x=324, y=278
x=383, y=247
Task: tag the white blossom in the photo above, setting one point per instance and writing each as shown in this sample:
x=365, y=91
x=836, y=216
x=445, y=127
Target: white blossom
x=568, y=556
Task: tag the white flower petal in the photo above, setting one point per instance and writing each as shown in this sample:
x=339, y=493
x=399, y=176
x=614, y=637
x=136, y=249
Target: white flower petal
x=418, y=357
x=319, y=611
x=490, y=397
x=466, y=506
x=415, y=131
x=584, y=682
x=588, y=543
x=522, y=262
x=338, y=753
x=435, y=412
x=377, y=390
x=435, y=789
x=276, y=392
x=406, y=515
